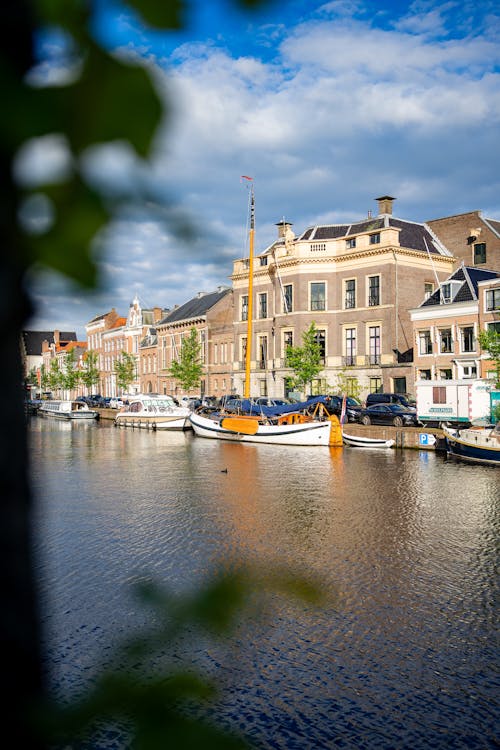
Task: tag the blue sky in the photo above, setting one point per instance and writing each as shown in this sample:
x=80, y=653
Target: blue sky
x=326, y=105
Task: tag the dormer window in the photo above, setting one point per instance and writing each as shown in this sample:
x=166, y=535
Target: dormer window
x=446, y=293
x=351, y=243
x=375, y=239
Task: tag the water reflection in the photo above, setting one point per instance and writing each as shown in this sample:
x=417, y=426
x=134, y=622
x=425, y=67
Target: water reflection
x=407, y=541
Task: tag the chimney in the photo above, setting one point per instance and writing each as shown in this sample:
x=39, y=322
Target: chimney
x=283, y=226
x=385, y=204
x=157, y=314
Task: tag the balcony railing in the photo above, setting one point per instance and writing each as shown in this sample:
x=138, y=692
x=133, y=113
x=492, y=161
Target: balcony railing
x=349, y=360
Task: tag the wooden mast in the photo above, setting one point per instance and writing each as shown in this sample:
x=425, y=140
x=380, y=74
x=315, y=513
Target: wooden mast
x=248, y=354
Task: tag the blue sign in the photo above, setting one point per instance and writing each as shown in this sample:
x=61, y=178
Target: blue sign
x=425, y=438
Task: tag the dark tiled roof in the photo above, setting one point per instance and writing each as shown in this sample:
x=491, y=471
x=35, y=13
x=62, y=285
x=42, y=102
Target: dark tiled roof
x=467, y=291
x=195, y=308
x=33, y=339
x=412, y=235
x=495, y=225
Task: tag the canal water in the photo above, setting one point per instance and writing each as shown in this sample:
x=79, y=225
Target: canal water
x=403, y=653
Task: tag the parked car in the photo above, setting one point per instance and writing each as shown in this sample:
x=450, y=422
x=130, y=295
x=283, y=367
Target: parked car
x=266, y=401
x=404, y=399
x=353, y=407
x=388, y=414
x=115, y=403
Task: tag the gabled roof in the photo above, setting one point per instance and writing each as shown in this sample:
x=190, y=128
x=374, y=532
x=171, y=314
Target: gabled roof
x=413, y=235
x=196, y=307
x=465, y=290
x=33, y=339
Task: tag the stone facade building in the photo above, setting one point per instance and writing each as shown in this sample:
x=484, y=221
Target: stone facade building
x=211, y=314
x=357, y=282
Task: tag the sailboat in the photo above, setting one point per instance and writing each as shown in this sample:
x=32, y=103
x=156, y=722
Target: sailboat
x=306, y=423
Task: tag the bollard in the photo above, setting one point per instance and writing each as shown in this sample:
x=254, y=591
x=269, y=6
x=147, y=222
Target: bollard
x=335, y=432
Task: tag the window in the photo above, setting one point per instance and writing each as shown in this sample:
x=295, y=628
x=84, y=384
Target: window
x=445, y=341
x=375, y=385
x=373, y=291
x=318, y=295
x=263, y=387
x=262, y=352
x=494, y=326
x=424, y=342
x=424, y=374
x=244, y=349
x=263, y=305
x=287, y=298
x=467, y=338
x=469, y=371
x=374, y=342
x=428, y=290
x=350, y=346
x=321, y=341
x=351, y=243
x=400, y=385
x=244, y=307
x=263, y=260
x=287, y=341
x=480, y=253
x=350, y=294
x=492, y=299
x=375, y=239
x=445, y=293
x=439, y=394
x=445, y=374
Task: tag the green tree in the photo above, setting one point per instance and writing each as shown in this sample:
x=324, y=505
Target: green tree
x=56, y=376
x=187, y=369
x=32, y=378
x=44, y=378
x=348, y=385
x=71, y=375
x=126, y=370
x=90, y=375
x=490, y=343
x=305, y=360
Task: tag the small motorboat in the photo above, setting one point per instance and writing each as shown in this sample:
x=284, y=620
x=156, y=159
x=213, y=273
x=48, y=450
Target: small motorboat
x=67, y=410
x=359, y=441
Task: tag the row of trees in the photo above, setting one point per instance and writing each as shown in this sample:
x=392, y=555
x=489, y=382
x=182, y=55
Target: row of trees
x=71, y=375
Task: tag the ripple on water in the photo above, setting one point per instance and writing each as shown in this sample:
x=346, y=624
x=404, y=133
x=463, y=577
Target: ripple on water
x=403, y=653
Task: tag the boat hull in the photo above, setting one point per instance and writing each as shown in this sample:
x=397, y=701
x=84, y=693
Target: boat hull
x=481, y=446
x=68, y=410
x=153, y=422
x=308, y=433
x=358, y=441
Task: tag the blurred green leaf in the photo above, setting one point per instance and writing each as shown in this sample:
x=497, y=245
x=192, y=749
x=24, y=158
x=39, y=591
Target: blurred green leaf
x=66, y=246
x=168, y=14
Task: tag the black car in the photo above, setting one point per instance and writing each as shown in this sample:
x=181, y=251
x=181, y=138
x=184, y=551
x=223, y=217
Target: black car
x=353, y=407
x=388, y=414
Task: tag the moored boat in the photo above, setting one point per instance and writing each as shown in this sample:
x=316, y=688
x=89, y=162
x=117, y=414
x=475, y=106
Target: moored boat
x=358, y=441
x=478, y=445
x=288, y=429
x=67, y=410
x=154, y=413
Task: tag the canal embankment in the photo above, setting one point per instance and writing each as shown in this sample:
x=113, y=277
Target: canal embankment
x=404, y=437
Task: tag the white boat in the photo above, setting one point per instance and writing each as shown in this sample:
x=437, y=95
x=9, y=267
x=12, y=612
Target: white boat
x=67, y=410
x=257, y=429
x=358, y=441
x=477, y=445
x=153, y=413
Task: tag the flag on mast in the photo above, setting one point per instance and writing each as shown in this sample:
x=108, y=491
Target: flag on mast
x=246, y=177
x=343, y=410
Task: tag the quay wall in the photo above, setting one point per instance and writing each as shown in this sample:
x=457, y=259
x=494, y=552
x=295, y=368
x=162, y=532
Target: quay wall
x=404, y=437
